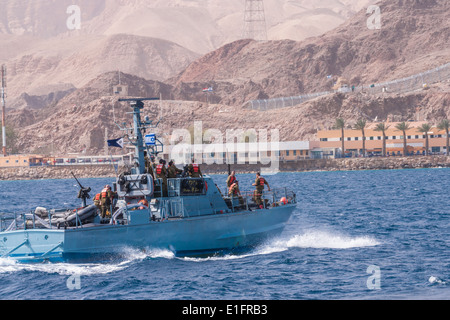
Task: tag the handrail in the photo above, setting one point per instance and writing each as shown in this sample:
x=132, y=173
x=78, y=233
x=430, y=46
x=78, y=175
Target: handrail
x=268, y=198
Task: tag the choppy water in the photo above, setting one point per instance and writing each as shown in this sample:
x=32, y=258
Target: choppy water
x=354, y=235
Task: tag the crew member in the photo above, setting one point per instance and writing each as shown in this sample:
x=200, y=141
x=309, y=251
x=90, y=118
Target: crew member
x=194, y=170
x=259, y=184
x=149, y=164
x=161, y=173
x=173, y=171
x=233, y=191
x=106, y=198
x=97, y=201
x=231, y=179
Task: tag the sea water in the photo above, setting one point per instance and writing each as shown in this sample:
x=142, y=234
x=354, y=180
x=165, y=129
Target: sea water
x=353, y=235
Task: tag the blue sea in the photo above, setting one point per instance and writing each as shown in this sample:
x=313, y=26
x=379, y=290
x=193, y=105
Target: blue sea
x=365, y=235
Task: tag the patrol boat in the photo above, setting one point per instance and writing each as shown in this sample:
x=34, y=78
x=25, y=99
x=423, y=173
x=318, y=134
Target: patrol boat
x=193, y=218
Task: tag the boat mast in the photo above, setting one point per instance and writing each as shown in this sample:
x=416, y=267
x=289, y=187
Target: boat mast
x=3, y=98
x=137, y=105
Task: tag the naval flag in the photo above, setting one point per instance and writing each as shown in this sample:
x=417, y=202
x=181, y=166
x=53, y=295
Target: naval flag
x=118, y=143
x=210, y=89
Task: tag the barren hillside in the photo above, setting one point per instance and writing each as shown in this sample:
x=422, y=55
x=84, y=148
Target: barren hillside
x=413, y=38
x=45, y=56
x=76, y=125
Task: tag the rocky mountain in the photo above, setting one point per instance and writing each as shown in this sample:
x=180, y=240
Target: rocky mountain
x=46, y=51
x=143, y=56
x=77, y=125
x=413, y=38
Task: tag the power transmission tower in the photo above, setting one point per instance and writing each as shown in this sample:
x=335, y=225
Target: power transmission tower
x=3, y=98
x=255, y=20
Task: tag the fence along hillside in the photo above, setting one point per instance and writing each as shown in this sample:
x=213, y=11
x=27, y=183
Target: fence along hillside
x=405, y=85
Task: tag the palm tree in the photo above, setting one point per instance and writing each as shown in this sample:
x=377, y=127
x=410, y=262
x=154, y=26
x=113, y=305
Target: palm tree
x=340, y=124
x=403, y=126
x=382, y=127
x=425, y=128
x=361, y=125
x=444, y=125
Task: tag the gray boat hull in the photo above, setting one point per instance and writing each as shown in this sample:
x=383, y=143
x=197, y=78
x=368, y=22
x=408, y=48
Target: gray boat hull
x=182, y=236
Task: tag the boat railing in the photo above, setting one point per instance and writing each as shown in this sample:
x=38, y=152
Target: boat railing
x=248, y=200
x=31, y=220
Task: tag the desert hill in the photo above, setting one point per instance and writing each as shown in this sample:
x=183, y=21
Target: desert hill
x=151, y=58
x=413, y=38
x=77, y=125
x=44, y=56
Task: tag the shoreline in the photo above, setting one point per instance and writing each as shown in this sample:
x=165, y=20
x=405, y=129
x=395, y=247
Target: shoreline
x=310, y=165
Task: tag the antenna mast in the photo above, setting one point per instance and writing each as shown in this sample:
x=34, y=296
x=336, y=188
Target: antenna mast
x=255, y=20
x=3, y=97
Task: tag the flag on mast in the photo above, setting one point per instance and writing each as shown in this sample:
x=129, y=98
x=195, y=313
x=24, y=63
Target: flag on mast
x=117, y=143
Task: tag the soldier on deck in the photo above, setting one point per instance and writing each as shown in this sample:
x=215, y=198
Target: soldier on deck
x=106, y=199
x=161, y=173
x=97, y=201
x=149, y=164
x=173, y=171
x=233, y=191
x=259, y=184
x=231, y=179
x=194, y=170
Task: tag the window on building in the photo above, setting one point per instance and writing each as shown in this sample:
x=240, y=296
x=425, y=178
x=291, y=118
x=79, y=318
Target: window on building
x=409, y=137
x=435, y=149
x=379, y=138
x=324, y=139
x=371, y=138
x=295, y=152
x=287, y=153
x=417, y=137
x=356, y=138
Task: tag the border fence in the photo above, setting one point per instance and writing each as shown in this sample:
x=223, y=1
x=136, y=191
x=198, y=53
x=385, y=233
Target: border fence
x=416, y=82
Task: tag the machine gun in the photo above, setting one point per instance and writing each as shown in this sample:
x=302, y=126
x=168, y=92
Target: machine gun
x=83, y=194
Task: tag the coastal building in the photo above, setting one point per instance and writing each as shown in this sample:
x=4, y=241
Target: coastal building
x=331, y=141
x=244, y=153
x=14, y=161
